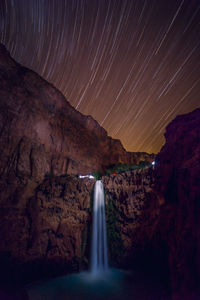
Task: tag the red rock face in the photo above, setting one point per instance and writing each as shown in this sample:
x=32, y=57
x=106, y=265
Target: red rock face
x=43, y=218
x=133, y=209
x=42, y=133
x=45, y=228
x=177, y=183
x=158, y=212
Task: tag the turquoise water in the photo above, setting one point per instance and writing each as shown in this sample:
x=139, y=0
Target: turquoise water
x=101, y=282
x=113, y=284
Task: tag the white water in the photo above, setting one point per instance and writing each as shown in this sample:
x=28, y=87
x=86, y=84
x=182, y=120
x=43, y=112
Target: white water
x=99, y=255
x=97, y=284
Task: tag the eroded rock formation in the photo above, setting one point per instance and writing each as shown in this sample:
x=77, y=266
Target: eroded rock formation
x=177, y=185
x=157, y=212
x=44, y=229
x=40, y=132
x=132, y=210
x=44, y=215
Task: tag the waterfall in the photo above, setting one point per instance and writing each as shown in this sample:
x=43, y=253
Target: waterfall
x=99, y=259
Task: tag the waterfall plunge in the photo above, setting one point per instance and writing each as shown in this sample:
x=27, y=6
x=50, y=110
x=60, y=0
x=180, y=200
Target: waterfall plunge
x=99, y=259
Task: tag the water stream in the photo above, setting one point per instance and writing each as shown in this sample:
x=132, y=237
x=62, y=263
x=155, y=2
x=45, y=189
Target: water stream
x=100, y=282
x=99, y=253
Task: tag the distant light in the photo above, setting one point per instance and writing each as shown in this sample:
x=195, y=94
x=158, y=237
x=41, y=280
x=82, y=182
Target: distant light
x=86, y=176
x=153, y=163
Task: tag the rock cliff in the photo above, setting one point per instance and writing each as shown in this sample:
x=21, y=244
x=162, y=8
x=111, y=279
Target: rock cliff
x=133, y=215
x=45, y=228
x=45, y=215
x=132, y=210
x=177, y=184
x=157, y=211
x=152, y=214
x=40, y=132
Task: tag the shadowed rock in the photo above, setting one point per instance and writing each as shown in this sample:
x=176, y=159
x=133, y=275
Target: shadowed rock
x=44, y=217
x=40, y=132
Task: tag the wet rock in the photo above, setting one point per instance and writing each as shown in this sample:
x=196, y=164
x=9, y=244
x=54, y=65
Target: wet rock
x=136, y=209
x=46, y=227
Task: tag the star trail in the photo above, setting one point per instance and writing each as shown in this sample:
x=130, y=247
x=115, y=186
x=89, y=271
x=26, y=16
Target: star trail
x=133, y=65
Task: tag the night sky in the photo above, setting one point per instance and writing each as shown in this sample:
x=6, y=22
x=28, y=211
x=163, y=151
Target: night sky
x=131, y=64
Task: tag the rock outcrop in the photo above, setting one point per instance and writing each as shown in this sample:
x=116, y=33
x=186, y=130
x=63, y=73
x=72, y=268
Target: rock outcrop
x=157, y=211
x=132, y=211
x=45, y=231
x=133, y=215
x=44, y=215
x=41, y=133
x=177, y=184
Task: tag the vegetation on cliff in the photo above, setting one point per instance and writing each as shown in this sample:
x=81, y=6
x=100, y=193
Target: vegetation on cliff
x=114, y=169
x=115, y=243
x=119, y=168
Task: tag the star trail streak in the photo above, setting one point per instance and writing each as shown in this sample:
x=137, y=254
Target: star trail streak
x=131, y=64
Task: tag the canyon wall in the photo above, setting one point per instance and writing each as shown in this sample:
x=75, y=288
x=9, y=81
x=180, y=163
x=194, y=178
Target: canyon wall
x=41, y=133
x=158, y=211
x=152, y=214
x=45, y=228
x=44, y=215
x=177, y=181
x=132, y=210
